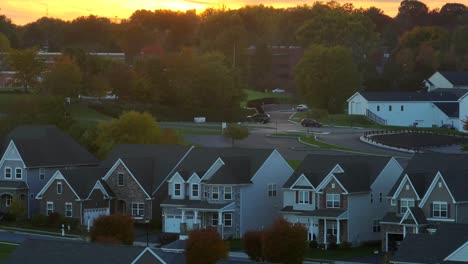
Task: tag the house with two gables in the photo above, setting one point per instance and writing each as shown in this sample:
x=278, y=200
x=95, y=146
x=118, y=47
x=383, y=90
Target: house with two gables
x=430, y=191
x=31, y=155
x=340, y=197
x=228, y=189
x=126, y=182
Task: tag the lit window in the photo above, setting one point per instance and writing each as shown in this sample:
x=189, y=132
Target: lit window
x=68, y=210
x=440, y=209
x=59, y=188
x=228, y=219
x=405, y=204
x=177, y=191
x=7, y=173
x=228, y=193
x=333, y=200
x=195, y=191
x=215, y=193
x=304, y=197
x=138, y=209
x=120, y=179
x=50, y=208
x=272, y=189
x=18, y=173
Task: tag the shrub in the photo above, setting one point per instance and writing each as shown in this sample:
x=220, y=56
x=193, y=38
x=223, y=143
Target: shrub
x=168, y=238
x=205, y=247
x=7, y=217
x=332, y=246
x=313, y=244
x=253, y=243
x=40, y=220
x=74, y=223
x=344, y=245
x=115, y=227
x=321, y=246
x=54, y=220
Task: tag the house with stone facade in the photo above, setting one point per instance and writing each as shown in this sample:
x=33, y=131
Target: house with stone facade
x=430, y=191
x=229, y=189
x=31, y=155
x=340, y=197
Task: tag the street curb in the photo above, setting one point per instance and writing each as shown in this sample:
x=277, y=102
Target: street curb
x=275, y=136
x=362, y=138
x=37, y=232
x=308, y=144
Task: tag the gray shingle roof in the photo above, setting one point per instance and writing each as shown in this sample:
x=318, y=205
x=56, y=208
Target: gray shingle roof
x=19, y=185
x=325, y=213
x=71, y=252
x=437, y=95
x=448, y=238
x=83, y=179
x=240, y=164
x=456, y=78
x=450, y=109
x=48, y=146
x=391, y=217
x=150, y=164
x=419, y=215
x=194, y=204
x=360, y=171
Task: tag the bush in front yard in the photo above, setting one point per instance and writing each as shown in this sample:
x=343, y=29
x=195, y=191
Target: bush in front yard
x=313, y=244
x=344, y=245
x=39, y=220
x=205, y=247
x=54, y=220
x=253, y=245
x=116, y=227
x=332, y=246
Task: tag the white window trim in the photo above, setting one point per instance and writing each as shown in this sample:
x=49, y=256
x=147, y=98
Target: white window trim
x=11, y=173
x=374, y=225
x=331, y=225
x=393, y=202
x=224, y=222
x=406, y=200
x=206, y=192
x=304, y=197
x=213, y=216
x=6, y=200
x=21, y=173
x=214, y=192
x=230, y=192
x=180, y=189
x=71, y=210
x=138, y=209
x=47, y=207
x=333, y=201
x=198, y=190
x=61, y=187
x=118, y=179
x=440, y=211
x=272, y=189
x=41, y=173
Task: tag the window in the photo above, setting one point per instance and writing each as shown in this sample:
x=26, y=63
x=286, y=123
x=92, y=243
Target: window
x=138, y=209
x=68, y=210
x=59, y=188
x=405, y=204
x=214, y=219
x=389, y=108
x=407, y=187
x=376, y=226
x=333, y=185
x=272, y=190
x=402, y=108
x=380, y=197
x=18, y=173
x=228, y=219
x=31, y=195
x=331, y=228
x=207, y=192
x=7, y=173
x=8, y=200
x=177, y=187
x=393, y=202
x=333, y=200
x=228, y=193
x=215, y=193
x=120, y=179
x=50, y=208
x=41, y=174
x=304, y=197
x=195, y=190
x=371, y=197
x=440, y=209
x=378, y=108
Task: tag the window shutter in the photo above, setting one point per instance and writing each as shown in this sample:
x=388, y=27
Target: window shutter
x=448, y=210
x=432, y=210
x=297, y=196
x=310, y=197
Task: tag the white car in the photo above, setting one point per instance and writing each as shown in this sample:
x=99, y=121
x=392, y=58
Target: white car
x=302, y=108
x=278, y=90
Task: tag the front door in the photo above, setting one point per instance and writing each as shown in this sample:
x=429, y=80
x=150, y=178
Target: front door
x=121, y=206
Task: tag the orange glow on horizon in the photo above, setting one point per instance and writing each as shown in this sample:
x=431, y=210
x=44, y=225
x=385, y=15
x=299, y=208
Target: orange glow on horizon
x=25, y=11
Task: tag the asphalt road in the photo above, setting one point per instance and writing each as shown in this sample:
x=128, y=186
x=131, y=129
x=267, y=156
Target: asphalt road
x=19, y=237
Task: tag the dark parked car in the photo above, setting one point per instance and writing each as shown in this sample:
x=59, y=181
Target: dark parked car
x=258, y=117
x=307, y=122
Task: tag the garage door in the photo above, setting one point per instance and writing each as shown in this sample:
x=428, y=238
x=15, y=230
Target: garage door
x=172, y=224
x=91, y=214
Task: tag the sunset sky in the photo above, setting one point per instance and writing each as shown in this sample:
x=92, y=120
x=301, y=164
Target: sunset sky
x=25, y=11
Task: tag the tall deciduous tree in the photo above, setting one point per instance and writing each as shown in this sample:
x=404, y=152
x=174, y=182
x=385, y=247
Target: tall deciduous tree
x=27, y=65
x=236, y=132
x=205, y=247
x=64, y=79
x=4, y=43
x=326, y=77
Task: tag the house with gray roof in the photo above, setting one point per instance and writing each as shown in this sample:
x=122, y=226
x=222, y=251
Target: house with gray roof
x=430, y=191
x=229, y=189
x=444, y=103
x=340, y=197
x=30, y=157
x=448, y=244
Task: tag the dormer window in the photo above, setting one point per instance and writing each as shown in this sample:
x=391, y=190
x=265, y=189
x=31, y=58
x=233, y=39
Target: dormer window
x=195, y=190
x=177, y=191
x=18, y=173
x=59, y=188
x=7, y=173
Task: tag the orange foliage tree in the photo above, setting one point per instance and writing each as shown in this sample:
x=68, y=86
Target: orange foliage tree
x=205, y=247
x=114, y=229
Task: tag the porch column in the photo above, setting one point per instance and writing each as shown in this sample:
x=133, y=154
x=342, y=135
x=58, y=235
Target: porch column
x=220, y=223
x=183, y=217
x=417, y=230
x=338, y=231
x=195, y=214
x=404, y=231
x=325, y=231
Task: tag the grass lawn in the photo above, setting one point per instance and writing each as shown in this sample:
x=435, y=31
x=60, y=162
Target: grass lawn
x=294, y=163
x=5, y=250
x=320, y=144
x=340, y=254
x=183, y=132
x=83, y=112
x=235, y=245
x=253, y=95
x=6, y=99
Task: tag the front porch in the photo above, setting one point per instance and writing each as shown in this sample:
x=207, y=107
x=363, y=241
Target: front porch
x=332, y=225
x=12, y=191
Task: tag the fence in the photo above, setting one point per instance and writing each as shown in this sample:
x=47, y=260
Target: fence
x=377, y=119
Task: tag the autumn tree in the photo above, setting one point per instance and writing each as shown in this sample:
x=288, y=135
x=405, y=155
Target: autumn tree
x=326, y=77
x=253, y=245
x=64, y=79
x=17, y=208
x=27, y=65
x=236, y=132
x=115, y=229
x=285, y=242
x=205, y=247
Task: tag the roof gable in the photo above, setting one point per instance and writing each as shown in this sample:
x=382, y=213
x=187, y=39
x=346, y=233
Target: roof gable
x=57, y=176
x=116, y=165
x=11, y=153
x=148, y=256
x=461, y=254
x=406, y=181
x=434, y=183
x=302, y=183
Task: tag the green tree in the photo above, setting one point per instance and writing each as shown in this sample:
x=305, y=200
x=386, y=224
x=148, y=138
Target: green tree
x=114, y=229
x=17, y=208
x=326, y=77
x=205, y=247
x=285, y=242
x=27, y=65
x=4, y=43
x=64, y=79
x=236, y=132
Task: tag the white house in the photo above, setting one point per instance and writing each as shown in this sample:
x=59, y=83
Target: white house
x=444, y=103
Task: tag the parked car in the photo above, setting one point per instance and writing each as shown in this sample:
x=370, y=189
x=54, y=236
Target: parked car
x=302, y=108
x=448, y=126
x=258, y=117
x=307, y=122
x=278, y=90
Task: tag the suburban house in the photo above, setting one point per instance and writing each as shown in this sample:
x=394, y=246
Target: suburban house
x=229, y=189
x=449, y=244
x=430, y=191
x=444, y=103
x=340, y=198
x=126, y=182
x=30, y=157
